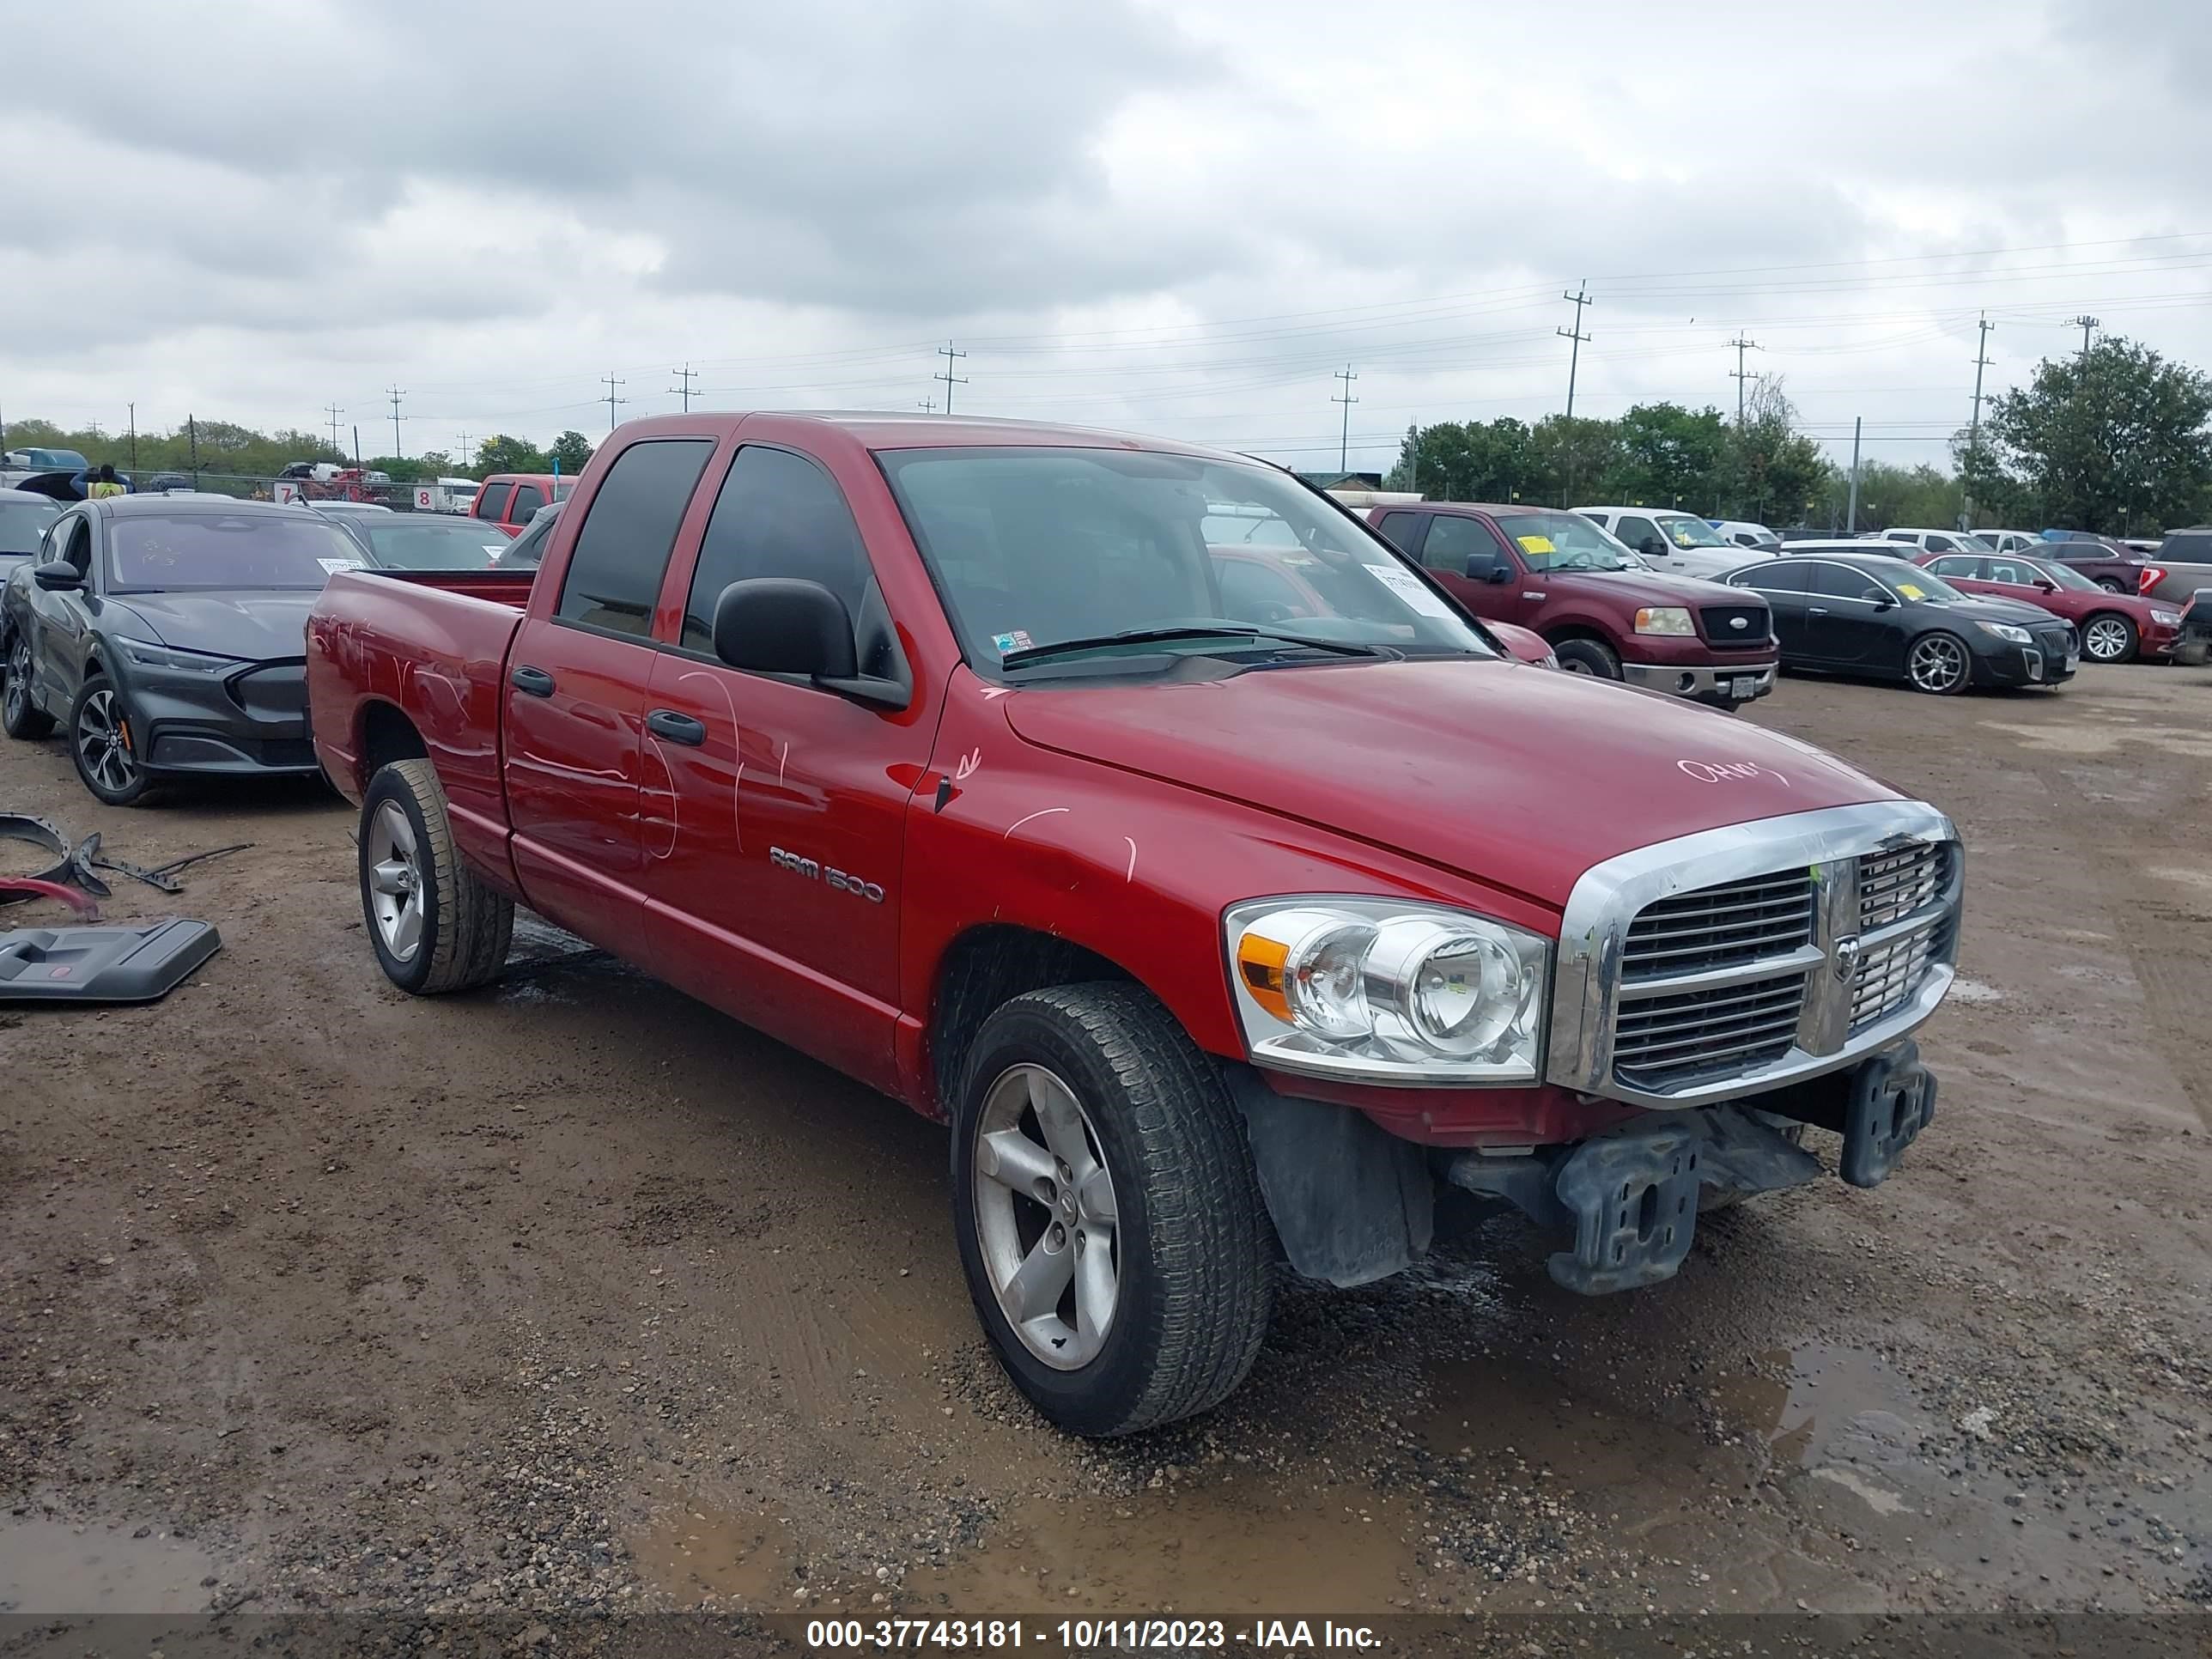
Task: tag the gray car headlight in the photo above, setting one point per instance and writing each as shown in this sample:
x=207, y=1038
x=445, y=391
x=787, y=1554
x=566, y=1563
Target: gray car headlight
x=1380, y=991
x=147, y=654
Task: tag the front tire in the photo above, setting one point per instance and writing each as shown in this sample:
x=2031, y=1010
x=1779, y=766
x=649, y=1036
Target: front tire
x=1110, y=1222
x=101, y=745
x=19, y=716
x=1593, y=658
x=2109, y=638
x=1939, y=664
x=434, y=926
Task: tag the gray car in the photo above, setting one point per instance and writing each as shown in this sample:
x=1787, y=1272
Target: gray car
x=167, y=635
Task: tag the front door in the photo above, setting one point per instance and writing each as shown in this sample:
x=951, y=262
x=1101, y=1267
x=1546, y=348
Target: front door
x=773, y=810
x=1852, y=618
x=1466, y=557
x=575, y=695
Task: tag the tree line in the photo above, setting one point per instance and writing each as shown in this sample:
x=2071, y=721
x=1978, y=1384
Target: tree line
x=2117, y=439
x=223, y=451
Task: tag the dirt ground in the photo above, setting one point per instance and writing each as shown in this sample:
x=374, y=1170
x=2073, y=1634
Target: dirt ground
x=572, y=1292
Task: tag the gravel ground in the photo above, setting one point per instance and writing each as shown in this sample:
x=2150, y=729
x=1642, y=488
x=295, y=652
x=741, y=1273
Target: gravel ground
x=572, y=1294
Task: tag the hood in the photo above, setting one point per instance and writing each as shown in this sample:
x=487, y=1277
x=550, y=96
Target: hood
x=1520, y=780
x=243, y=623
x=1644, y=588
x=1985, y=608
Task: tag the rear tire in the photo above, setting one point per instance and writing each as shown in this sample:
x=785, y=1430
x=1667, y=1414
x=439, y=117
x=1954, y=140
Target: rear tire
x=2108, y=636
x=2111, y=584
x=1593, y=658
x=435, y=926
x=1101, y=1073
x=19, y=717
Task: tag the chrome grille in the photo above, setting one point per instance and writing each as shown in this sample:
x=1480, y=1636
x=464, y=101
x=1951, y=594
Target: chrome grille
x=1893, y=885
x=1889, y=974
x=1664, y=1040
x=1719, y=927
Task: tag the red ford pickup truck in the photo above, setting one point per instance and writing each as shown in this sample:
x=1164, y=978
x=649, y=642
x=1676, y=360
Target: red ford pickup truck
x=1220, y=928
x=1602, y=609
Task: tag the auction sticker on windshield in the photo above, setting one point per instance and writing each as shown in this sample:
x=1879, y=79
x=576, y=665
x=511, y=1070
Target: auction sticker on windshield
x=1018, y=640
x=1910, y=591
x=1535, y=543
x=1409, y=587
x=332, y=566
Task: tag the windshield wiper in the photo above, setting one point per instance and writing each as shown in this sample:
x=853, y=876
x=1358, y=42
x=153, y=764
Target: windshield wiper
x=1150, y=635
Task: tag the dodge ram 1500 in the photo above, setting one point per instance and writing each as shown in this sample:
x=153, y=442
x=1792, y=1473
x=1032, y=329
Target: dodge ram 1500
x=1221, y=917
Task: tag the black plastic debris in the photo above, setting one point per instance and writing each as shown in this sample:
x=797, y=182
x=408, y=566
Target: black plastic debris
x=123, y=962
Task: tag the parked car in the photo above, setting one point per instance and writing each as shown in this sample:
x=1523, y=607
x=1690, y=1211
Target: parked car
x=1603, y=612
x=1839, y=609
x=526, y=549
x=1935, y=541
x=24, y=518
x=2195, y=646
x=164, y=633
x=423, y=541
x=508, y=499
x=161, y=481
x=17, y=464
x=2112, y=627
x=1756, y=537
x=1677, y=544
x=337, y=510
x=923, y=745
x=2181, y=566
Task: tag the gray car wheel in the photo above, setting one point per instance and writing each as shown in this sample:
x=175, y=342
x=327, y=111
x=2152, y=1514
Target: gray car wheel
x=19, y=716
x=103, y=746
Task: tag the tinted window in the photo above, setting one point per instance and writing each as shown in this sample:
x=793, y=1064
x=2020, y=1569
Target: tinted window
x=527, y=550
x=1402, y=531
x=778, y=515
x=1782, y=576
x=1841, y=581
x=1941, y=544
x=528, y=498
x=1635, y=531
x=1962, y=565
x=2018, y=572
x=424, y=541
x=621, y=552
x=78, y=549
x=491, y=500
x=1454, y=540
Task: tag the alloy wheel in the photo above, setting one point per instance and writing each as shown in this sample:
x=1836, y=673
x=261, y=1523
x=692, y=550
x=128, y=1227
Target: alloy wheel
x=19, y=680
x=1938, y=664
x=1045, y=1216
x=2105, y=639
x=104, y=742
x=395, y=882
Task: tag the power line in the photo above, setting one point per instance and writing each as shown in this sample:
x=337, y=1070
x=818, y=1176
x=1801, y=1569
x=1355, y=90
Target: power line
x=1579, y=298
x=688, y=374
x=949, y=379
x=611, y=400
x=1737, y=374
x=1343, y=436
x=396, y=394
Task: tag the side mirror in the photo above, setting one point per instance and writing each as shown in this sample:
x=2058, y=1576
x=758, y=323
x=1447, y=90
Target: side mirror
x=1499, y=574
x=2044, y=585
x=1652, y=548
x=1883, y=602
x=777, y=625
x=57, y=576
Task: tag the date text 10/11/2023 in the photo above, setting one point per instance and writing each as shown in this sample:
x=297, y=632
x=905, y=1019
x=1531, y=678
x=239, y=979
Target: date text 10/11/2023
x=1088, y=1635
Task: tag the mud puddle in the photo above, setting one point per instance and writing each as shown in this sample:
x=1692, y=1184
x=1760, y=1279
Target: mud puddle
x=693, y=1554
x=50, y=1567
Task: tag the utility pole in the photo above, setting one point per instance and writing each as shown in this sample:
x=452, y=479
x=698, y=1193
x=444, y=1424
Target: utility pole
x=1737, y=374
x=464, y=451
x=1852, y=513
x=1413, y=456
x=1579, y=298
x=949, y=379
x=356, y=446
x=133, y=408
x=611, y=383
x=192, y=430
x=687, y=375
x=334, y=411
x=1974, y=425
x=1344, y=440
x=2085, y=322
x=928, y=402
x=395, y=394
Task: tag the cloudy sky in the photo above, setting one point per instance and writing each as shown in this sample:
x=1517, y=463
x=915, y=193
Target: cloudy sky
x=1175, y=218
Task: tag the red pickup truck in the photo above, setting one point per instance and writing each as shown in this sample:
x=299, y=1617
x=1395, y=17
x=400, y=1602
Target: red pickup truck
x=1220, y=927
x=1603, y=611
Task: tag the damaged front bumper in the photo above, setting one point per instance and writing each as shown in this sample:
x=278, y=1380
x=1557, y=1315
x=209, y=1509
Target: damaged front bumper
x=1631, y=1196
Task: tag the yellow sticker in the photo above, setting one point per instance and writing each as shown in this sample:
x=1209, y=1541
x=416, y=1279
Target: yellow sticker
x=1910, y=591
x=1535, y=543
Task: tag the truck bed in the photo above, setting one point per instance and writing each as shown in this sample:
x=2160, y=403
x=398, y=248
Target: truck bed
x=430, y=645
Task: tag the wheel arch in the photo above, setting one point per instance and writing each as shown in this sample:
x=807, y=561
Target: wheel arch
x=384, y=733
x=983, y=968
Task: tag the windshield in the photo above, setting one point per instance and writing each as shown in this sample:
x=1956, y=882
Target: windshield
x=1565, y=541
x=56, y=460
x=1033, y=546
x=1972, y=544
x=1684, y=530
x=403, y=543
x=1913, y=581
x=2065, y=575
x=22, y=523
x=200, y=550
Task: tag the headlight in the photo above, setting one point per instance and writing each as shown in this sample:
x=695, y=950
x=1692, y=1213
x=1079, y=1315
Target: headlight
x=2167, y=618
x=2007, y=631
x=1382, y=992
x=147, y=654
x=1663, y=619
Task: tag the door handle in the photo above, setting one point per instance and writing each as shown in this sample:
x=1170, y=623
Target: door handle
x=677, y=728
x=531, y=682
x=1816, y=610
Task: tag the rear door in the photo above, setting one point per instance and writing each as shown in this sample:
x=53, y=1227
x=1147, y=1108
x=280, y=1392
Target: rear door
x=774, y=810
x=577, y=675
x=522, y=506
x=1786, y=583
x=1964, y=571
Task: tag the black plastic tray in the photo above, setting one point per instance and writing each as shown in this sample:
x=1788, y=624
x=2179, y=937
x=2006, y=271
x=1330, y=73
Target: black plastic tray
x=122, y=962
